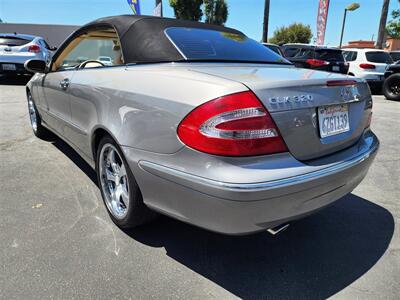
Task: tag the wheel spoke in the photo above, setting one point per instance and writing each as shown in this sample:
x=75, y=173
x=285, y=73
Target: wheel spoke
x=111, y=156
x=125, y=197
x=122, y=171
x=114, y=202
x=109, y=175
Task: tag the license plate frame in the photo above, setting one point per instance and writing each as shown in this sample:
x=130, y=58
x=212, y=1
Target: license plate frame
x=333, y=120
x=9, y=67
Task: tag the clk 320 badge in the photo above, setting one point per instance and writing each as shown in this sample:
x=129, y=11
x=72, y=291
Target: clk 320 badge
x=291, y=99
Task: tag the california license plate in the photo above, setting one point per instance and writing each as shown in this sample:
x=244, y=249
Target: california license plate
x=9, y=67
x=335, y=68
x=333, y=119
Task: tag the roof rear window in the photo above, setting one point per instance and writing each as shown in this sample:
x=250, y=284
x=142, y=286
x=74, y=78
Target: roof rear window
x=395, y=56
x=329, y=55
x=13, y=41
x=212, y=45
x=379, y=57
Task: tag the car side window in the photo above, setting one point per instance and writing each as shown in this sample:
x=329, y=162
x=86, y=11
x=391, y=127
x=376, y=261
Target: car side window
x=350, y=55
x=101, y=47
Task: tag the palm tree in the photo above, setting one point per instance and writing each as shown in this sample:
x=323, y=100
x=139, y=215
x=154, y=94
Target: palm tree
x=382, y=24
x=265, y=25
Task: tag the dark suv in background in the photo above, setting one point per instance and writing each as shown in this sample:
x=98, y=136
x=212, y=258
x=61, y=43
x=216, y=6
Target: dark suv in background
x=316, y=57
x=391, y=85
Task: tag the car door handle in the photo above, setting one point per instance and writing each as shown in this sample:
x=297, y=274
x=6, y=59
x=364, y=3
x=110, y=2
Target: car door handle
x=64, y=84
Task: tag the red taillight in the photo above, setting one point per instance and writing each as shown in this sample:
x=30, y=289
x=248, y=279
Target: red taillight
x=232, y=125
x=317, y=62
x=34, y=48
x=367, y=66
x=340, y=82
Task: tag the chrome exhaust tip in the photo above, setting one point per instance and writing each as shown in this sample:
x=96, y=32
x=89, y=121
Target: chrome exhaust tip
x=278, y=229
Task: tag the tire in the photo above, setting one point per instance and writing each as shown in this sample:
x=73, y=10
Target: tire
x=36, y=122
x=391, y=87
x=119, y=189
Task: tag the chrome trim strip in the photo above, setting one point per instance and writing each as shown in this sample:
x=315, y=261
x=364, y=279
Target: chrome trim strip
x=260, y=186
x=73, y=126
x=173, y=43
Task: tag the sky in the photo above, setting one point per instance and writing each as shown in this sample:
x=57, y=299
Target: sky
x=245, y=15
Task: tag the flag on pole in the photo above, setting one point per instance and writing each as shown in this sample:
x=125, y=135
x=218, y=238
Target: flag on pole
x=135, y=6
x=158, y=9
x=322, y=18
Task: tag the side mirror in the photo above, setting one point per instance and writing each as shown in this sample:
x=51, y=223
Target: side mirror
x=35, y=66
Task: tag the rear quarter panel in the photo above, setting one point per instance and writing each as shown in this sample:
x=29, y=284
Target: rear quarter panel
x=140, y=106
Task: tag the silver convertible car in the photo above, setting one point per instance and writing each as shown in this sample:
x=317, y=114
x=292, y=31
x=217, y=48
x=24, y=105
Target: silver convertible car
x=203, y=124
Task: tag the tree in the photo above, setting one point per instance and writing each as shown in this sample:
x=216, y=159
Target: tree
x=294, y=33
x=382, y=24
x=265, y=24
x=393, y=27
x=187, y=9
x=216, y=11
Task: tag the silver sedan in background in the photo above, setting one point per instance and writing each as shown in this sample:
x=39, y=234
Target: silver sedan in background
x=201, y=123
x=16, y=49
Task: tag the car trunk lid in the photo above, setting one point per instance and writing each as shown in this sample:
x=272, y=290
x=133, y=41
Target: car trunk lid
x=295, y=97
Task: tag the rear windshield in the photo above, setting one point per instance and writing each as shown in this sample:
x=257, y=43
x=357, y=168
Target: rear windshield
x=274, y=48
x=379, y=57
x=329, y=55
x=395, y=56
x=13, y=41
x=211, y=45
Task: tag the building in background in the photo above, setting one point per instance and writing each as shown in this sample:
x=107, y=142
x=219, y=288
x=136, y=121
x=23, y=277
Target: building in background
x=360, y=44
x=392, y=44
x=53, y=34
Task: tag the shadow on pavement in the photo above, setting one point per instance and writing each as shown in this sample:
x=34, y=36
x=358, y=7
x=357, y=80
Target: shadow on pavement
x=74, y=156
x=6, y=79
x=315, y=257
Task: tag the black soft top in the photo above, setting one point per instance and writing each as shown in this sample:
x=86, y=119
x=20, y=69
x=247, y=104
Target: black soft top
x=142, y=37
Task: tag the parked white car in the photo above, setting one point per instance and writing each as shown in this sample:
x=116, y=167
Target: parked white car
x=16, y=49
x=368, y=64
x=106, y=60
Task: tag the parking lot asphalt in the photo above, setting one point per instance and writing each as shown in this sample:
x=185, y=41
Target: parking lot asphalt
x=57, y=240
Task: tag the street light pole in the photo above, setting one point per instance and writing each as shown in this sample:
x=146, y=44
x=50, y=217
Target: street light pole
x=350, y=7
x=344, y=23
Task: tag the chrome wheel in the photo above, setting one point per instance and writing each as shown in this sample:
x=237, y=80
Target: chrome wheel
x=114, y=181
x=32, y=113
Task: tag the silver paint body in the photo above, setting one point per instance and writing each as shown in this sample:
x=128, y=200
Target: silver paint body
x=141, y=106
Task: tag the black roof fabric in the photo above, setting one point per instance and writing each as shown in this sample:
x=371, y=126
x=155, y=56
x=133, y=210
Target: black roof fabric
x=142, y=37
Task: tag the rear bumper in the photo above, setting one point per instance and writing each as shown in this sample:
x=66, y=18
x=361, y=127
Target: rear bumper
x=18, y=59
x=240, y=208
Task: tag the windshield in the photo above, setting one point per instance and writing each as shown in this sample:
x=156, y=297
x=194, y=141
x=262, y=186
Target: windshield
x=211, y=45
x=13, y=41
x=379, y=57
